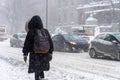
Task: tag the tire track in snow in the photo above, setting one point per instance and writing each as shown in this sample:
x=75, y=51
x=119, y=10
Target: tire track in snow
x=90, y=67
x=83, y=74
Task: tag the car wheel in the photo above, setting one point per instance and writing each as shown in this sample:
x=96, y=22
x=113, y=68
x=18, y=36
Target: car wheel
x=11, y=44
x=118, y=56
x=85, y=50
x=92, y=53
x=67, y=48
x=19, y=45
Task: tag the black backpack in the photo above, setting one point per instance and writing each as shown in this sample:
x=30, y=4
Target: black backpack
x=41, y=41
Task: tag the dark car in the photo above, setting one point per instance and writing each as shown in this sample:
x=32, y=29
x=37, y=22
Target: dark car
x=69, y=43
x=17, y=39
x=105, y=45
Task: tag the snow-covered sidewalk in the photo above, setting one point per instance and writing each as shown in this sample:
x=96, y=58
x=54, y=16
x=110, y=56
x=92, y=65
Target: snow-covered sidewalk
x=16, y=72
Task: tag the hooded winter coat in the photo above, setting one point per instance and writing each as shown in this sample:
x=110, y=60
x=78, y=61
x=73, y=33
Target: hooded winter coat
x=26, y=25
x=37, y=62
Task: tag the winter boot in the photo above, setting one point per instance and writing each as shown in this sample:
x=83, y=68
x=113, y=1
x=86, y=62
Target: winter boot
x=43, y=79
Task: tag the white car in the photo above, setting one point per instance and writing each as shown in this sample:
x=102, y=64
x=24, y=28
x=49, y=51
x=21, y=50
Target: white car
x=17, y=39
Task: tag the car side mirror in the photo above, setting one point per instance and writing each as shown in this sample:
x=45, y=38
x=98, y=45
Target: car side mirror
x=114, y=41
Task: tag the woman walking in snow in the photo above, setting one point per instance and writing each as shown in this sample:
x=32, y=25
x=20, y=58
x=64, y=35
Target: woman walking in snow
x=38, y=62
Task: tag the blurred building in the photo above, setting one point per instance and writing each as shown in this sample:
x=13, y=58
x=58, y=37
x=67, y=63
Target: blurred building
x=59, y=12
x=106, y=11
x=66, y=12
x=76, y=12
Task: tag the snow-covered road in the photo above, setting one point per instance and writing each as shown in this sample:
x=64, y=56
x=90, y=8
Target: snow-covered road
x=64, y=66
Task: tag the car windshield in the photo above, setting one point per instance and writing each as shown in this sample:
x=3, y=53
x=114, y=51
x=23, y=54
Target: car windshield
x=72, y=37
x=22, y=35
x=117, y=35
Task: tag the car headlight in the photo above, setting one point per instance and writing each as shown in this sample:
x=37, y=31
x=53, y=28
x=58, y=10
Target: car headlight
x=74, y=43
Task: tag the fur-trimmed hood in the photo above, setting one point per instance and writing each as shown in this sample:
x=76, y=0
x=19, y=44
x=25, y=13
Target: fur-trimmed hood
x=35, y=23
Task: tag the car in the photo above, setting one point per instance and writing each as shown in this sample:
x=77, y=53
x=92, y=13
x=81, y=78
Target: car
x=17, y=40
x=69, y=43
x=3, y=33
x=105, y=45
x=3, y=36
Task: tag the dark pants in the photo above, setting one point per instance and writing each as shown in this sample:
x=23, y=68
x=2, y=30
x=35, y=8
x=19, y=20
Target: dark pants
x=39, y=75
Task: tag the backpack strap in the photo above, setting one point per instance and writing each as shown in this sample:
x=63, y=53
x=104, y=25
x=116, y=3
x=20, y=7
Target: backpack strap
x=44, y=32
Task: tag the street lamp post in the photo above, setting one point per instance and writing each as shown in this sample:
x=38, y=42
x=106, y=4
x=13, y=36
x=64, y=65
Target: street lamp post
x=46, y=13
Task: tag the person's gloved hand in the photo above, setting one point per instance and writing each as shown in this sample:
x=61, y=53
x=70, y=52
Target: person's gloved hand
x=25, y=59
x=50, y=57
